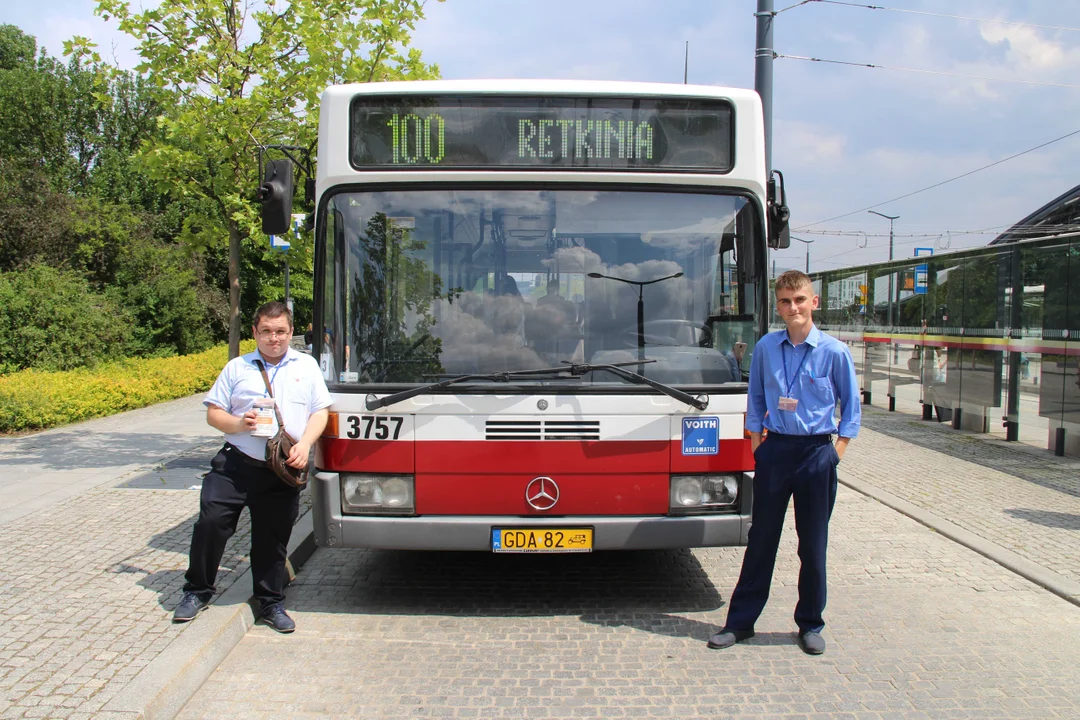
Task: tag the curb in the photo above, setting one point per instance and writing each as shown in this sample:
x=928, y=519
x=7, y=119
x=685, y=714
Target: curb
x=162, y=688
x=1066, y=589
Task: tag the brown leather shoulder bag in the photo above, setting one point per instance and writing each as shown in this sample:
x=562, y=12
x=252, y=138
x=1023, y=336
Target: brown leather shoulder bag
x=278, y=447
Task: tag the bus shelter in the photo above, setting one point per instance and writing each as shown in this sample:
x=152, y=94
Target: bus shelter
x=985, y=339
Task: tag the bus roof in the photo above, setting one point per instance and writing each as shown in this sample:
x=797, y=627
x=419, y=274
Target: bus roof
x=542, y=87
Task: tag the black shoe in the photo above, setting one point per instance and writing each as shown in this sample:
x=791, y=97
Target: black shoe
x=190, y=605
x=275, y=617
x=727, y=637
x=811, y=642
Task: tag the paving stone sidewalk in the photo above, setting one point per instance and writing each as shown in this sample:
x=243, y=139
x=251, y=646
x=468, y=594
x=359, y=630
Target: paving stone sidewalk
x=918, y=627
x=1019, y=497
x=93, y=566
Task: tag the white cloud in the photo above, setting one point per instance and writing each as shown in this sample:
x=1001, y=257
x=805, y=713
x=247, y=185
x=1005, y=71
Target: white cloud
x=1028, y=49
x=806, y=144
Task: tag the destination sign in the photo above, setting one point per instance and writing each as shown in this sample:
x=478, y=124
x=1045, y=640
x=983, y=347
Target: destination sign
x=442, y=131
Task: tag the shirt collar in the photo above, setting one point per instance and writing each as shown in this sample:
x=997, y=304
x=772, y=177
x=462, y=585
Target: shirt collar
x=812, y=339
x=289, y=356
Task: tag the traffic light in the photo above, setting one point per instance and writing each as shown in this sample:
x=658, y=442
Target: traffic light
x=276, y=196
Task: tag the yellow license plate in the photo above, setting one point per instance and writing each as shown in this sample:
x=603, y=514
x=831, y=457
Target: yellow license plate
x=541, y=540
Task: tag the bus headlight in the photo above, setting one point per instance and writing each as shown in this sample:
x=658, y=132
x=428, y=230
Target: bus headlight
x=377, y=494
x=703, y=493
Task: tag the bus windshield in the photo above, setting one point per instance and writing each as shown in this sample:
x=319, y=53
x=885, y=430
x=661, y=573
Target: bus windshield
x=422, y=285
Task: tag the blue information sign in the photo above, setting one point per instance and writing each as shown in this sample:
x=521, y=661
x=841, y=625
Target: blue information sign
x=922, y=272
x=700, y=435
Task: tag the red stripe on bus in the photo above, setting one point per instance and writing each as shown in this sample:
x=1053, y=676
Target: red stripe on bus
x=542, y=457
x=376, y=456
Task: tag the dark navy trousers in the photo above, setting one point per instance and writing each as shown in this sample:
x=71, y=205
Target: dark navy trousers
x=803, y=467
x=236, y=481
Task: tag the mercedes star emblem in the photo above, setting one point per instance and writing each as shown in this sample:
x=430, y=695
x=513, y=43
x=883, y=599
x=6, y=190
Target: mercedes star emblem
x=542, y=493
x=542, y=404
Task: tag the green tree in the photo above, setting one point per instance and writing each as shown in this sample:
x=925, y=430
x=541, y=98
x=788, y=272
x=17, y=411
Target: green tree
x=17, y=49
x=245, y=77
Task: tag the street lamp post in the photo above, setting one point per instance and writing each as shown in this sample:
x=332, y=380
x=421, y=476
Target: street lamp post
x=891, y=219
x=889, y=315
x=807, y=243
x=640, y=285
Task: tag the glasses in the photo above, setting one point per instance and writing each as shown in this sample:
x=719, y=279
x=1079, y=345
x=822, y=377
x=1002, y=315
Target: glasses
x=274, y=334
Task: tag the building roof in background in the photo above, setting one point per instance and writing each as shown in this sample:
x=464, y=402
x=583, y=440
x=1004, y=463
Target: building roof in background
x=1060, y=215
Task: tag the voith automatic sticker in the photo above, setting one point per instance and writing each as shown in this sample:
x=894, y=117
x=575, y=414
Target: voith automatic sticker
x=700, y=435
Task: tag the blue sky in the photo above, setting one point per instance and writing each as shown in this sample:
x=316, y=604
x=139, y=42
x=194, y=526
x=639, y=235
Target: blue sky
x=845, y=138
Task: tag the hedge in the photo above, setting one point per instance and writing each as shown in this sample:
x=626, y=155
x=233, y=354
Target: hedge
x=34, y=400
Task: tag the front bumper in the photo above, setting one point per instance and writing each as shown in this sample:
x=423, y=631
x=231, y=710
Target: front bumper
x=473, y=532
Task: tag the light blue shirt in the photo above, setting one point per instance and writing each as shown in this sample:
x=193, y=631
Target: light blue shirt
x=299, y=390
x=819, y=373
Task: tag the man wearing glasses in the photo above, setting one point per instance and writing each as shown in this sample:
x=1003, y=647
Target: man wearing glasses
x=239, y=474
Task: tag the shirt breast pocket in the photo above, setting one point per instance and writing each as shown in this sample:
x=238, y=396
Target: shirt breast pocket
x=298, y=396
x=821, y=390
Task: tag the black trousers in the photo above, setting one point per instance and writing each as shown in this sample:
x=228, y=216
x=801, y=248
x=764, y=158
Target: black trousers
x=231, y=484
x=787, y=466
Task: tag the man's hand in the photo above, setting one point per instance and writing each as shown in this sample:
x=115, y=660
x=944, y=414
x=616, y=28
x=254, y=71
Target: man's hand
x=247, y=421
x=841, y=446
x=298, y=455
x=755, y=440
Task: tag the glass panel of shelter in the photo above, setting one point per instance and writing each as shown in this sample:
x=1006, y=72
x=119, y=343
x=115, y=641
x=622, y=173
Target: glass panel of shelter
x=994, y=331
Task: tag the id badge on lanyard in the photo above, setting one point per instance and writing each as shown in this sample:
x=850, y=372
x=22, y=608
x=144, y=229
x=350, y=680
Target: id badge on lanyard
x=788, y=403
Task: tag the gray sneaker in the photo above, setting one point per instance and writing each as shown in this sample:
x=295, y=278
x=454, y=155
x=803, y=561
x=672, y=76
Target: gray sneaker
x=276, y=617
x=811, y=643
x=726, y=638
x=190, y=606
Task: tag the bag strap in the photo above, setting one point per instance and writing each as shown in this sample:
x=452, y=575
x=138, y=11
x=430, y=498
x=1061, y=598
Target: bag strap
x=270, y=391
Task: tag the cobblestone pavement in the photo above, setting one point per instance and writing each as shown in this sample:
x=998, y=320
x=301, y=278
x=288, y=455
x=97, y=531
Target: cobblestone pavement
x=1019, y=497
x=919, y=627
x=90, y=581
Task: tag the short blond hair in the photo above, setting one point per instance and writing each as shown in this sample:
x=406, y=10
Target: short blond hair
x=792, y=280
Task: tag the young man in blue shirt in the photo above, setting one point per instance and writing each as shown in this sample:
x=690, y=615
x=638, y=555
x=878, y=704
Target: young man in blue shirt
x=798, y=377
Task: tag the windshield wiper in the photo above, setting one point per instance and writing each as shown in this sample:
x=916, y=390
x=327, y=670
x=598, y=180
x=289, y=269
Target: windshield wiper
x=700, y=402
x=573, y=369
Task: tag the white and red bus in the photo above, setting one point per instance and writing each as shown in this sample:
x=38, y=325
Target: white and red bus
x=539, y=302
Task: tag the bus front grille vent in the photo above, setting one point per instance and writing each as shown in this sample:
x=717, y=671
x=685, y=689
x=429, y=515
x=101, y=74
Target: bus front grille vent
x=542, y=430
x=513, y=430
x=571, y=429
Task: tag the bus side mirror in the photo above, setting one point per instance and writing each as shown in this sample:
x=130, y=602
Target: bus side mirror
x=779, y=214
x=276, y=196
x=781, y=240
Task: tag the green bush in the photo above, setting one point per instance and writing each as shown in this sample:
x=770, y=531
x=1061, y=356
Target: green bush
x=32, y=400
x=53, y=320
